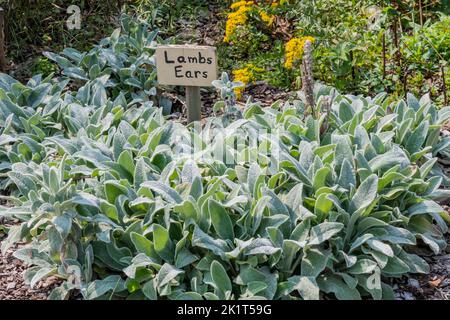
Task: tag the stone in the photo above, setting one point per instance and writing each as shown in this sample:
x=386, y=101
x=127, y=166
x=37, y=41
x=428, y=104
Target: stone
x=414, y=283
x=407, y=295
x=11, y=286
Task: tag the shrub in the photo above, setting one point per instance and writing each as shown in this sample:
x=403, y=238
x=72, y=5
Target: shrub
x=270, y=206
x=362, y=47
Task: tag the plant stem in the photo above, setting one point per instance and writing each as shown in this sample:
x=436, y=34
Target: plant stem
x=405, y=82
x=296, y=263
x=420, y=12
x=2, y=41
x=384, y=55
x=444, y=85
x=397, y=47
x=353, y=67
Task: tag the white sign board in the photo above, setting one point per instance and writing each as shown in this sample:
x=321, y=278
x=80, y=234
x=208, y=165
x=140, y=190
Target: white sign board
x=186, y=65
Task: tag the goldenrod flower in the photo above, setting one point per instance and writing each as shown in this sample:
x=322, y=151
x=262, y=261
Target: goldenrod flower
x=239, y=4
x=267, y=18
x=245, y=75
x=235, y=19
x=294, y=50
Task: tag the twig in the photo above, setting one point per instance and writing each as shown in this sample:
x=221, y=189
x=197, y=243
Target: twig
x=2, y=41
x=384, y=55
x=405, y=81
x=420, y=12
x=444, y=85
x=397, y=46
x=353, y=67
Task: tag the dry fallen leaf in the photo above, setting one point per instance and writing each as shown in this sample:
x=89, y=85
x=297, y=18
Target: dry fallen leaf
x=435, y=283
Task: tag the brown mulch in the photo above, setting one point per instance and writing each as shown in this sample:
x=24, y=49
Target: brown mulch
x=267, y=95
x=12, y=285
x=433, y=286
x=445, y=162
x=261, y=92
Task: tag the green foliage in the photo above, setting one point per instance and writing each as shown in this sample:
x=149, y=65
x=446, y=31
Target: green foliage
x=348, y=51
x=32, y=25
x=119, y=202
x=171, y=16
x=44, y=66
x=122, y=62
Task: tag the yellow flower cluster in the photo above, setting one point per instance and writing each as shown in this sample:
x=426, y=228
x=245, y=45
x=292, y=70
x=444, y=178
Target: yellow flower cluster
x=245, y=75
x=267, y=18
x=239, y=4
x=237, y=18
x=294, y=50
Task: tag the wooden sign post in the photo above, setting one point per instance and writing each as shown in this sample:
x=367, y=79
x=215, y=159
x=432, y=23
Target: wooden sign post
x=190, y=66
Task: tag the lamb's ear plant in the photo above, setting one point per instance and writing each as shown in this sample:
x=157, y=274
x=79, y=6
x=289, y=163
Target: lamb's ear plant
x=125, y=58
x=120, y=203
x=226, y=89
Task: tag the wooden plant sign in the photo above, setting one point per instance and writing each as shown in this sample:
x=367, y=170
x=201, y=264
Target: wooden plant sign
x=190, y=66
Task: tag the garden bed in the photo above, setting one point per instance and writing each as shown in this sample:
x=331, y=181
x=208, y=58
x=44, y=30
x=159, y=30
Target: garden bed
x=434, y=286
x=12, y=285
x=107, y=192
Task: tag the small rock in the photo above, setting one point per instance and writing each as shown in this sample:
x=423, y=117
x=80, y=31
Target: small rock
x=11, y=286
x=413, y=283
x=407, y=296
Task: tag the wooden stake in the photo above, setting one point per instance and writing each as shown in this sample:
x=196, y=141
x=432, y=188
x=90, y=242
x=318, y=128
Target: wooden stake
x=193, y=104
x=2, y=41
